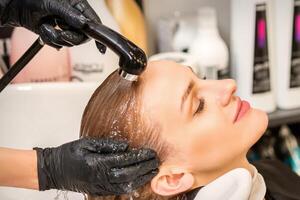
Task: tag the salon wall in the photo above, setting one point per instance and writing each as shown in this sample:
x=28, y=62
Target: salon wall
x=155, y=9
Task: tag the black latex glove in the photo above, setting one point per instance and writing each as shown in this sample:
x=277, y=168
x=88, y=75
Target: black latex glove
x=96, y=167
x=39, y=16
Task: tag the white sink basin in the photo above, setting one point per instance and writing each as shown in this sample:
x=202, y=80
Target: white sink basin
x=42, y=115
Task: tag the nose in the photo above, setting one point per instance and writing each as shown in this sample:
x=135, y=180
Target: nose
x=221, y=90
x=226, y=89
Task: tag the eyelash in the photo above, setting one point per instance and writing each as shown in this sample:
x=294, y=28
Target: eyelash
x=200, y=106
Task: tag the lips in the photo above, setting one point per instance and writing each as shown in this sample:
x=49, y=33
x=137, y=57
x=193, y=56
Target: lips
x=242, y=108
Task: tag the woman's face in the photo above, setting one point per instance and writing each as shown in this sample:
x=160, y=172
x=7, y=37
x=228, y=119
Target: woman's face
x=201, y=119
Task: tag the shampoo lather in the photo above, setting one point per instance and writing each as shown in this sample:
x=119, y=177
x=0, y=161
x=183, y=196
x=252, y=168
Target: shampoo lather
x=287, y=26
x=252, y=51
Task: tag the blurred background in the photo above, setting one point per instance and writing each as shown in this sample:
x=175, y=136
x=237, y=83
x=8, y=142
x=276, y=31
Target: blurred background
x=256, y=42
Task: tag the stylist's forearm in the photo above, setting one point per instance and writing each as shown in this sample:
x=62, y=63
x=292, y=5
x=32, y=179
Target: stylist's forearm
x=18, y=168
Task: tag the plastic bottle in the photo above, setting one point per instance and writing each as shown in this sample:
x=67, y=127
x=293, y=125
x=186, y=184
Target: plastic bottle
x=49, y=65
x=252, y=50
x=287, y=26
x=87, y=63
x=208, y=47
x=185, y=32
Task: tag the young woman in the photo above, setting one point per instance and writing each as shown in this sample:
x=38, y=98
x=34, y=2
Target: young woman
x=199, y=128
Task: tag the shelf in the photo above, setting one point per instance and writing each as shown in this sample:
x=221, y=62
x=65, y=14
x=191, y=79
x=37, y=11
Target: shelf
x=280, y=117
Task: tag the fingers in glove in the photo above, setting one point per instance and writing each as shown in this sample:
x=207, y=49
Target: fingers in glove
x=129, y=174
x=84, y=7
x=52, y=36
x=129, y=158
x=70, y=15
x=126, y=188
x=73, y=37
x=105, y=146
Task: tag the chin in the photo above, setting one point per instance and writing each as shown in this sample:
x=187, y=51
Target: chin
x=260, y=119
x=262, y=116
x=255, y=124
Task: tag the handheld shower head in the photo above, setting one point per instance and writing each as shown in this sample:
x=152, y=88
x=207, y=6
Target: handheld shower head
x=132, y=59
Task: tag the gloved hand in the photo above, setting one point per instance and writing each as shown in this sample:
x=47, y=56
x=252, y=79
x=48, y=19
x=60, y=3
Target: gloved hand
x=39, y=16
x=95, y=167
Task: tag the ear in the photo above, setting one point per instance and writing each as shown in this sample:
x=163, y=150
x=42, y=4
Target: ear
x=172, y=181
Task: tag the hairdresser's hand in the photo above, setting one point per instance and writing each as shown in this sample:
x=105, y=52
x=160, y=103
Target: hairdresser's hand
x=39, y=16
x=96, y=167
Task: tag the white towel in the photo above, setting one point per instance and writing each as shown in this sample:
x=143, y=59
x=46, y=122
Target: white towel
x=237, y=184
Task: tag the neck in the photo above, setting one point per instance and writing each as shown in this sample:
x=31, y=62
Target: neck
x=202, y=178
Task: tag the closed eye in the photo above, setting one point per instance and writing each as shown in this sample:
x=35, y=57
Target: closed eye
x=200, y=106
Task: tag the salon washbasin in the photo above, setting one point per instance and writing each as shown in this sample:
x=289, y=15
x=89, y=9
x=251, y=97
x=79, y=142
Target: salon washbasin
x=44, y=114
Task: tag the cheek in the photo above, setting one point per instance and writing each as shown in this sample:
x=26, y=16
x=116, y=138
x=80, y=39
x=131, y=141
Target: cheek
x=212, y=143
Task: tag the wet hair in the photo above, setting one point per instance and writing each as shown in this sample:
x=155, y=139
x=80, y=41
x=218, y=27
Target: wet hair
x=115, y=111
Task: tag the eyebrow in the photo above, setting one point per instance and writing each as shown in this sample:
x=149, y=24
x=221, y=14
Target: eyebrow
x=186, y=93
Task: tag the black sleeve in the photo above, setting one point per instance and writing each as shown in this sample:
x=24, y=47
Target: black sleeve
x=3, y=5
x=282, y=183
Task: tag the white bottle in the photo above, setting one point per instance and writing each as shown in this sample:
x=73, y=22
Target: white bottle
x=287, y=26
x=87, y=62
x=252, y=51
x=185, y=33
x=208, y=47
